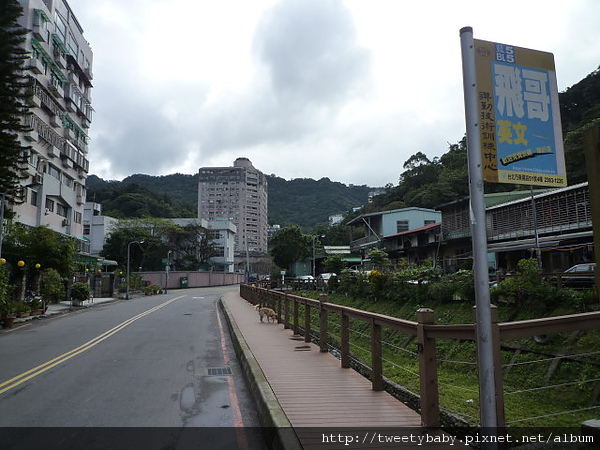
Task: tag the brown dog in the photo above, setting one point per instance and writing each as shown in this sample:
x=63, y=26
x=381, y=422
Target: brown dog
x=266, y=312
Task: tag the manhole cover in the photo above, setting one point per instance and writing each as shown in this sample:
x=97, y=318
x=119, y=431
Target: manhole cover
x=218, y=371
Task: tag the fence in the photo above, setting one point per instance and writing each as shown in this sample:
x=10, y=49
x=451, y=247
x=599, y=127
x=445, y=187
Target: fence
x=317, y=319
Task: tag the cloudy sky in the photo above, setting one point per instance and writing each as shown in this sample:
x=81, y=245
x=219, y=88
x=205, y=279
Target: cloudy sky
x=345, y=89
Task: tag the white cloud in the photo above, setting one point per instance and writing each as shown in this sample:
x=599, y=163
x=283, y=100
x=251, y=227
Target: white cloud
x=305, y=88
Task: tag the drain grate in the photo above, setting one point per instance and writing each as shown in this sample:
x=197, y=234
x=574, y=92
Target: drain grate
x=219, y=371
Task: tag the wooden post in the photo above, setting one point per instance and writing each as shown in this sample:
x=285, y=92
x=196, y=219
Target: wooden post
x=286, y=311
x=306, y=322
x=430, y=399
x=376, y=357
x=591, y=139
x=345, y=344
x=296, y=317
x=322, y=324
x=279, y=307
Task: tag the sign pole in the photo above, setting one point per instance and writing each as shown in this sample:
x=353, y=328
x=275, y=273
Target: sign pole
x=485, y=345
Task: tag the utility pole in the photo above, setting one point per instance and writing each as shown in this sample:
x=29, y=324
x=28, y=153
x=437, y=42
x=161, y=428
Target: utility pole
x=591, y=140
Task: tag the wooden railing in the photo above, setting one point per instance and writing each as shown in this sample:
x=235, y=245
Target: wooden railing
x=424, y=329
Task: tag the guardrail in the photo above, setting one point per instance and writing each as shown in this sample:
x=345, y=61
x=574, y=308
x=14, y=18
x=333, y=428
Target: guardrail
x=424, y=329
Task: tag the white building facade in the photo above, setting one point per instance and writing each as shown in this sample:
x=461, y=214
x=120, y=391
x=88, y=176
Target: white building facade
x=60, y=115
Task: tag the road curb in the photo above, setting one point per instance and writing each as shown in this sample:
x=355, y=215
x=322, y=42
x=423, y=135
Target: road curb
x=277, y=429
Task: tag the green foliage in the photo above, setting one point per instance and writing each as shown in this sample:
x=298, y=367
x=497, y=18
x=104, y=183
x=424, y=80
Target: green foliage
x=306, y=202
x=80, y=292
x=152, y=289
x=13, y=86
x=128, y=199
x=289, y=245
x=53, y=288
x=528, y=290
x=6, y=293
x=192, y=243
x=379, y=259
x=40, y=245
x=303, y=202
x=334, y=264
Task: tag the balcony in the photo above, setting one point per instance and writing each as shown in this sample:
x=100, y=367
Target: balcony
x=31, y=135
x=56, y=89
x=36, y=66
x=59, y=58
x=364, y=242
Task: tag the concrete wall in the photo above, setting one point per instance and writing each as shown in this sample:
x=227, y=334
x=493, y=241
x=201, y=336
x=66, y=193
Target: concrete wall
x=195, y=279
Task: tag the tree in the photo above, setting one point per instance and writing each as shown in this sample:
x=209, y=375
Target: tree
x=149, y=255
x=289, y=245
x=12, y=99
x=334, y=264
x=194, y=246
x=379, y=259
x=40, y=245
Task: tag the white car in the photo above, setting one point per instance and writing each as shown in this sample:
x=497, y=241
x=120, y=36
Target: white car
x=326, y=276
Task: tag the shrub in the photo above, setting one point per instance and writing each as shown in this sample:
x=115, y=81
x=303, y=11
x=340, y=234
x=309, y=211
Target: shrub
x=80, y=292
x=53, y=287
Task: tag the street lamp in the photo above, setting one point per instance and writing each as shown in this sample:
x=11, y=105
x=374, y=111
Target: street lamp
x=167, y=268
x=128, y=256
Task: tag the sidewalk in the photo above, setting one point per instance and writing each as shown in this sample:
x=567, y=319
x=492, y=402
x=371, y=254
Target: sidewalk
x=63, y=308
x=297, y=386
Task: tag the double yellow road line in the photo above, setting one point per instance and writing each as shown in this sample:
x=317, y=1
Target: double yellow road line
x=25, y=376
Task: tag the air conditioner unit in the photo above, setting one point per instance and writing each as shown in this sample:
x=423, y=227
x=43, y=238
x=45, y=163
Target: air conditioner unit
x=38, y=178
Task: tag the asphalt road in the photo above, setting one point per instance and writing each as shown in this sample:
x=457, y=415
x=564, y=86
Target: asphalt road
x=152, y=361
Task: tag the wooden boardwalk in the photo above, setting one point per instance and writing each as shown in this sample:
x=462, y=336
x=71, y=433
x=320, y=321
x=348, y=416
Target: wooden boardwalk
x=314, y=391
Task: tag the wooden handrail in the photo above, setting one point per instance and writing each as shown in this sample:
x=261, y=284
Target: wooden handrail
x=424, y=329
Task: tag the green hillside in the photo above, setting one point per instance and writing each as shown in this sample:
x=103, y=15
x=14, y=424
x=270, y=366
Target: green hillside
x=304, y=202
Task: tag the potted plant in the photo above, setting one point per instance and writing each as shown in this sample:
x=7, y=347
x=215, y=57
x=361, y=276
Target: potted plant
x=80, y=292
x=22, y=309
x=8, y=312
x=36, y=304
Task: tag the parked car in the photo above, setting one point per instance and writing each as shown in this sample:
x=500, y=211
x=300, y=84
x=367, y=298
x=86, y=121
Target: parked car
x=580, y=275
x=326, y=276
x=305, y=278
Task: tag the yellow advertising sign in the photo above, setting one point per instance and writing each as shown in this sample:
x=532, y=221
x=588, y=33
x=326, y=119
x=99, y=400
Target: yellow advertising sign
x=519, y=116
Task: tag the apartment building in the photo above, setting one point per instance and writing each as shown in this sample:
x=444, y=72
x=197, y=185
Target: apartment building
x=237, y=194
x=59, y=117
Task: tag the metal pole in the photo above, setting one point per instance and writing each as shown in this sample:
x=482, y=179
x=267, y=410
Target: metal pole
x=538, y=255
x=128, y=279
x=313, y=258
x=2, y=203
x=485, y=345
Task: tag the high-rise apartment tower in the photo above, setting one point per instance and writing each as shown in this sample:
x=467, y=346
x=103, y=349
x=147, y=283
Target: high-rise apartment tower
x=59, y=116
x=238, y=194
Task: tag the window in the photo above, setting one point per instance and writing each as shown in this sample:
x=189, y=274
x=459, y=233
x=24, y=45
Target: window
x=33, y=198
x=60, y=26
x=49, y=205
x=54, y=171
x=401, y=225
x=62, y=210
x=86, y=230
x=429, y=222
